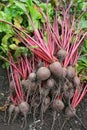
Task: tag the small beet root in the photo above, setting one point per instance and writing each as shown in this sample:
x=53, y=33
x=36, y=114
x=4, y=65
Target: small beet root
x=16, y=110
x=10, y=110
x=64, y=72
x=43, y=73
x=58, y=104
x=69, y=94
x=32, y=76
x=24, y=109
x=56, y=69
x=70, y=72
x=61, y=54
x=70, y=112
x=76, y=81
x=50, y=83
x=25, y=84
x=40, y=64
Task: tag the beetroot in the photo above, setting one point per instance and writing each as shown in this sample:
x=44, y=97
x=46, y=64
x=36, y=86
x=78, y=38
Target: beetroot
x=25, y=83
x=40, y=64
x=76, y=81
x=69, y=93
x=56, y=69
x=50, y=83
x=43, y=73
x=61, y=54
x=64, y=72
x=58, y=104
x=70, y=112
x=10, y=110
x=70, y=72
x=24, y=109
x=32, y=76
x=16, y=110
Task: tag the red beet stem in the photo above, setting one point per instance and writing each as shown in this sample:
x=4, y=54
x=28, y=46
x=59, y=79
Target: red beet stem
x=81, y=96
x=78, y=96
x=18, y=96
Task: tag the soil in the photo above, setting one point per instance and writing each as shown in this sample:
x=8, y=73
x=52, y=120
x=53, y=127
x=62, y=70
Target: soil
x=71, y=124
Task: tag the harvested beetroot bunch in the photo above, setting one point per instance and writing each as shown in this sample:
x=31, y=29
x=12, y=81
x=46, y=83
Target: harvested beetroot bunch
x=53, y=86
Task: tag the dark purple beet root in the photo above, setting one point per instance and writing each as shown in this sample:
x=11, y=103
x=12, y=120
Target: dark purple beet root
x=24, y=107
x=50, y=83
x=70, y=112
x=76, y=81
x=10, y=111
x=69, y=93
x=25, y=83
x=64, y=72
x=56, y=69
x=43, y=73
x=16, y=112
x=58, y=104
x=61, y=54
x=70, y=72
x=40, y=64
x=32, y=76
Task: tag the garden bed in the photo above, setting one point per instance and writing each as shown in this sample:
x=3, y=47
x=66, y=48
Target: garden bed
x=72, y=124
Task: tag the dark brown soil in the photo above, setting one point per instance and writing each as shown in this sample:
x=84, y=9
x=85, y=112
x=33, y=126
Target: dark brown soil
x=72, y=124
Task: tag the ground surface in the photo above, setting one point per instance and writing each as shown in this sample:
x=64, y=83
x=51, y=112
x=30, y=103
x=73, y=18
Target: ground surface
x=72, y=124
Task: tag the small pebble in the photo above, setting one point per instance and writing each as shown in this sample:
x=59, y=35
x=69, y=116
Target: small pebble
x=76, y=121
x=58, y=115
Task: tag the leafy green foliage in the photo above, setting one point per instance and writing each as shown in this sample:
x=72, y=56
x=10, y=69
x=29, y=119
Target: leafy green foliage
x=20, y=51
x=80, y=6
x=82, y=63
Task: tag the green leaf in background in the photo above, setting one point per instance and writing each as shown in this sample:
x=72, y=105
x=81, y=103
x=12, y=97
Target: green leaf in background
x=84, y=49
x=17, y=21
x=1, y=6
x=13, y=46
x=5, y=38
x=21, y=50
x=12, y=11
x=29, y=3
x=4, y=48
x=83, y=23
x=20, y=5
x=23, y=0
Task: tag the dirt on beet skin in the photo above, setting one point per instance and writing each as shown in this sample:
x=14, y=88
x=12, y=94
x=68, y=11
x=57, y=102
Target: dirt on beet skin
x=71, y=124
